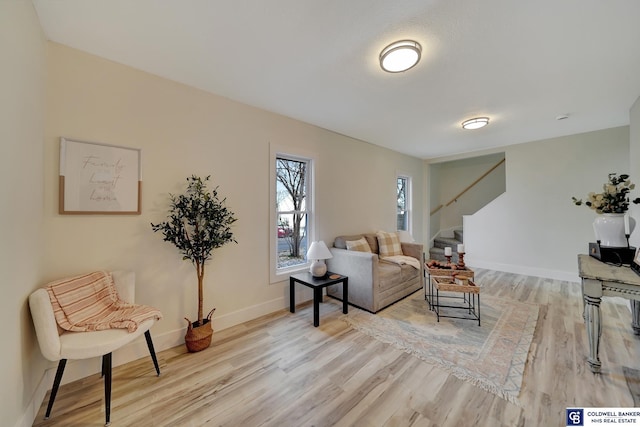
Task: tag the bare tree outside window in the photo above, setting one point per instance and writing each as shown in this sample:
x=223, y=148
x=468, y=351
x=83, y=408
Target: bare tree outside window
x=402, y=203
x=291, y=194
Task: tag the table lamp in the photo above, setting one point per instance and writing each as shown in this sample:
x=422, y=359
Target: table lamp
x=318, y=252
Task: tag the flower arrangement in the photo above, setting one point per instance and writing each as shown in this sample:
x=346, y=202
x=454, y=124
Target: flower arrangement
x=614, y=197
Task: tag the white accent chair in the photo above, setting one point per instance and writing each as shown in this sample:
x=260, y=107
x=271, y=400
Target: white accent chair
x=59, y=347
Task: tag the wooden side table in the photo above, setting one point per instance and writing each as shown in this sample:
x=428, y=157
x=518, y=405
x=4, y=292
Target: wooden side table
x=469, y=291
x=317, y=283
x=431, y=273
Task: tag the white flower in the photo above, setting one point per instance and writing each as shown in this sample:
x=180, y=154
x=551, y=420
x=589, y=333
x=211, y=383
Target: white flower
x=614, y=197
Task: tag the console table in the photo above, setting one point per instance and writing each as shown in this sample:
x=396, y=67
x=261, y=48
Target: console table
x=604, y=280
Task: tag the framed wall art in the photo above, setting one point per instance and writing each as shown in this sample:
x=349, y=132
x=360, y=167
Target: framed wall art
x=99, y=178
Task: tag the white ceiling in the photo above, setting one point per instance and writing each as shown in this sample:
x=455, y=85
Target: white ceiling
x=522, y=63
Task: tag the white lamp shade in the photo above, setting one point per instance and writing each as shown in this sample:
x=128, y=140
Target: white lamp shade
x=318, y=250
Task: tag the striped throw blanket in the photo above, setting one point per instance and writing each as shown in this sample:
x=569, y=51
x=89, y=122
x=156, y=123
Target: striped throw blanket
x=91, y=303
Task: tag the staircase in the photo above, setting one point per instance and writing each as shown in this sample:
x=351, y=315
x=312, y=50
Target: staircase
x=439, y=243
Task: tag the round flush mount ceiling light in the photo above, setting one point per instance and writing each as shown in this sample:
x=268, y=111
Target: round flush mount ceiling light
x=400, y=56
x=475, y=123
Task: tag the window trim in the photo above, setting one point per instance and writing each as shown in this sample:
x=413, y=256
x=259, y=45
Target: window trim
x=409, y=200
x=277, y=275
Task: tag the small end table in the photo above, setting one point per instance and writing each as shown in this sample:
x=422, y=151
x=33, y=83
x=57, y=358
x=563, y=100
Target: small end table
x=469, y=292
x=431, y=273
x=317, y=283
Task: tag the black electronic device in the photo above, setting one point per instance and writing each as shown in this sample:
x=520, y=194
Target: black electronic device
x=612, y=255
x=635, y=264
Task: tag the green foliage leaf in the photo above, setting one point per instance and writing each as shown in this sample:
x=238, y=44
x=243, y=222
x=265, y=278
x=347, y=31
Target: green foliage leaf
x=614, y=197
x=197, y=221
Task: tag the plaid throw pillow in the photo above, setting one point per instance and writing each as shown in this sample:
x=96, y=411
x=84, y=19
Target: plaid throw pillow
x=359, y=245
x=389, y=244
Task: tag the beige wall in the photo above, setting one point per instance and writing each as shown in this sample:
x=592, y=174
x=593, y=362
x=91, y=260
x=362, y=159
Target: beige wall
x=450, y=178
x=634, y=166
x=22, y=51
x=534, y=228
x=184, y=131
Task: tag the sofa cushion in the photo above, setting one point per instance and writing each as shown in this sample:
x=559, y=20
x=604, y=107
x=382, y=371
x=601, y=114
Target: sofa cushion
x=409, y=273
x=341, y=241
x=388, y=244
x=359, y=245
x=389, y=275
x=372, y=240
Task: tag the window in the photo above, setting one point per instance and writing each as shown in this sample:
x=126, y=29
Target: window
x=292, y=212
x=403, y=211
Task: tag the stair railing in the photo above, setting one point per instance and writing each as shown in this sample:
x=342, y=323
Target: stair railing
x=469, y=187
x=440, y=206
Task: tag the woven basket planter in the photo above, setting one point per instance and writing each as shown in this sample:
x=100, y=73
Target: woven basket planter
x=198, y=337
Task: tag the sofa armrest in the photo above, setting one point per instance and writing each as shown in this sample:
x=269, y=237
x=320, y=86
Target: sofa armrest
x=360, y=267
x=362, y=270
x=344, y=260
x=413, y=250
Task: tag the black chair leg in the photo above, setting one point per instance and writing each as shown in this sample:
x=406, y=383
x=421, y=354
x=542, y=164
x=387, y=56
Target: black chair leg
x=56, y=385
x=147, y=335
x=106, y=367
x=103, y=371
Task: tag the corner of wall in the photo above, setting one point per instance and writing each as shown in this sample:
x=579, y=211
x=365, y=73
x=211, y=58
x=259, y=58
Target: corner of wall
x=634, y=162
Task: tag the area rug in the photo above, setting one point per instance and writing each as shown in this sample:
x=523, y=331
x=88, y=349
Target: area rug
x=491, y=356
x=632, y=376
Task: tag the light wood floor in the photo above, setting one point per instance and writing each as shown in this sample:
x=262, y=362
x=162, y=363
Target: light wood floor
x=279, y=370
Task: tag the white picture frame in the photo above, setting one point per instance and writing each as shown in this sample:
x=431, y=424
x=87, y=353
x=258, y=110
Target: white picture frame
x=97, y=178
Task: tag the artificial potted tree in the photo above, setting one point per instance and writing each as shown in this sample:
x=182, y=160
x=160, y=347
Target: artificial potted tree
x=197, y=222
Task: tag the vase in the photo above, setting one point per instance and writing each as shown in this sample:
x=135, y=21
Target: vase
x=609, y=229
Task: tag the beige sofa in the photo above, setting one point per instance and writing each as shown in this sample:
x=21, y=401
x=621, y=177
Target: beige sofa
x=373, y=282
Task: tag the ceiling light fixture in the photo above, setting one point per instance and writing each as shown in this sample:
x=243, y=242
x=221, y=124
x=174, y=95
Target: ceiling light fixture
x=400, y=56
x=475, y=123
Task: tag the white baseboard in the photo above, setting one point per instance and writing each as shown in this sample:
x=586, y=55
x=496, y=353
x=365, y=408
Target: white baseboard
x=250, y=313
x=77, y=369
x=30, y=413
x=527, y=271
